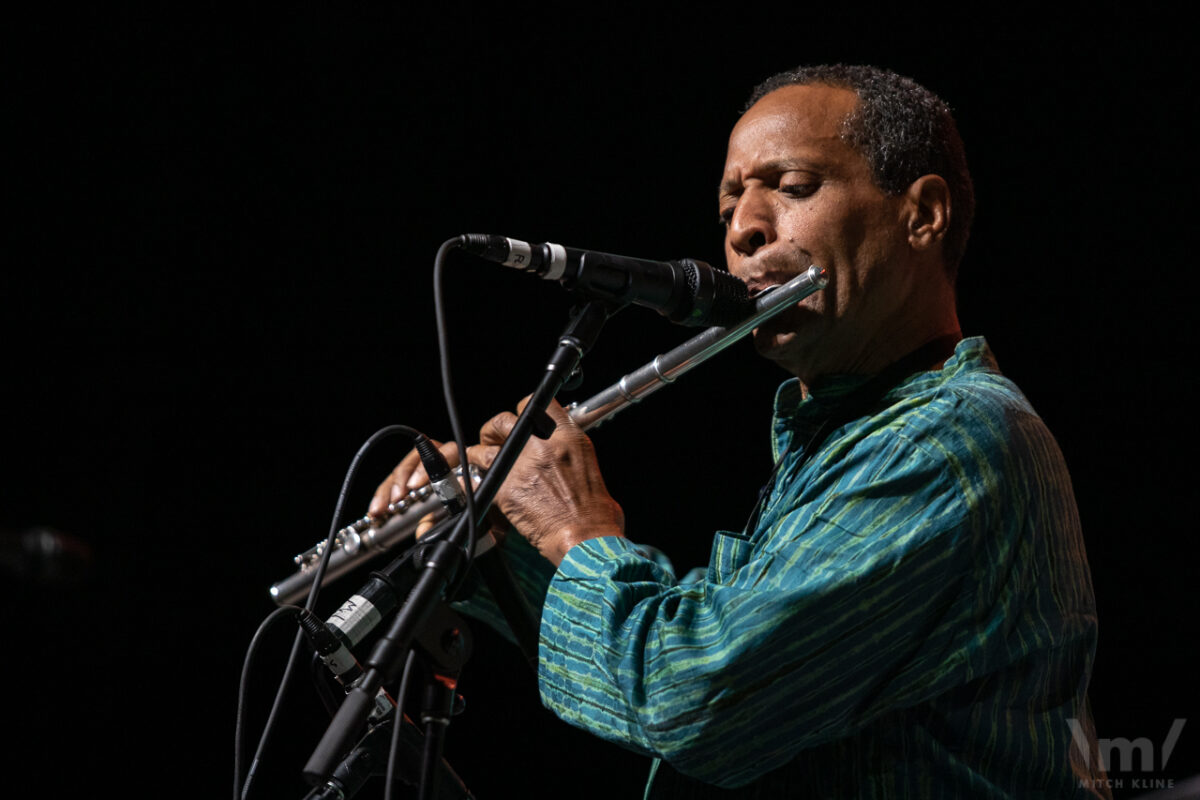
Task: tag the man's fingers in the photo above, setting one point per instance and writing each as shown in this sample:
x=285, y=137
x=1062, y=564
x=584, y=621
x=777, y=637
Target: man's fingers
x=409, y=474
x=392, y=489
x=557, y=413
x=426, y=523
x=482, y=454
x=496, y=430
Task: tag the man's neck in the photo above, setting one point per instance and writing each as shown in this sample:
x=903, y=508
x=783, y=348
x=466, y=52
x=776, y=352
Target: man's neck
x=890, y=350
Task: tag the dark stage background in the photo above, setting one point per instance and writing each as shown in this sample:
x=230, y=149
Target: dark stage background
x=221, y=232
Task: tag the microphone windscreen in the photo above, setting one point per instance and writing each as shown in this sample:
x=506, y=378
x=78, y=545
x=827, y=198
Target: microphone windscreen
x=731, y=301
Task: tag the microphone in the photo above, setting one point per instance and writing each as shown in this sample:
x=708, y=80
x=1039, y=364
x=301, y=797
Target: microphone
x=687, y=292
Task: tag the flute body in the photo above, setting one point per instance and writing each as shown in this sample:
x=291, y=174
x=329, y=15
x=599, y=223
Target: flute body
x=370, y=536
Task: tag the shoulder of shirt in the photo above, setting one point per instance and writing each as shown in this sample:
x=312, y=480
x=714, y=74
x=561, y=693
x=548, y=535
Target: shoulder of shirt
x=968, y=407
x=971, y=371
x=969, y=398
x=972, y=375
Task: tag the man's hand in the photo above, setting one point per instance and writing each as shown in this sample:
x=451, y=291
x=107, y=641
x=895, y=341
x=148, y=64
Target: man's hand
x=554, y=495
x=410, y=474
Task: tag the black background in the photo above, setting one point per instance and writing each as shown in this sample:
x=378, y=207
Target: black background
x=220, y=238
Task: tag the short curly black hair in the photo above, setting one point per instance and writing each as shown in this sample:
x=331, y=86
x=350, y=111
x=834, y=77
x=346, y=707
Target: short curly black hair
x=903, y=130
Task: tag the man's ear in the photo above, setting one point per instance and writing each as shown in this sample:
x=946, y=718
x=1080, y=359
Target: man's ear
x=928, y=210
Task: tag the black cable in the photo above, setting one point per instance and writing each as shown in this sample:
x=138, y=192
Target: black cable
x=394, y=753
x=310, y=605
x=513, y=609
x=457, y=581
x=351, y=473
x=271, y=619
x=269, y=727
x=445, y=559
x=456, y=430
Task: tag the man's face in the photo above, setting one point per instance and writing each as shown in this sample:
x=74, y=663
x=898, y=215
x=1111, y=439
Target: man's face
x=795, y=194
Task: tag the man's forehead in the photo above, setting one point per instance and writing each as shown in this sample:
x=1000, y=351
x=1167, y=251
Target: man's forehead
x=793, y=126
x=815, y=110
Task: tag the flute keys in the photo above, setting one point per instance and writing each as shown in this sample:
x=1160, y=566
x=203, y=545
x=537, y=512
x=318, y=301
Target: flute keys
x=310, y=558
x=409, y=500
x=368, y=538
x=350, y=542
x=371, y=534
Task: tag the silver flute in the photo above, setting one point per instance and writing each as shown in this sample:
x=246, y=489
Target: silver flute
x=368, y=537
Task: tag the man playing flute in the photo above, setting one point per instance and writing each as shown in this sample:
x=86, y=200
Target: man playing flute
x=909, y=611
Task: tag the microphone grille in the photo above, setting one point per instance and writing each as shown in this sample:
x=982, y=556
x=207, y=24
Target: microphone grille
x=731, y=301
x=691, y=273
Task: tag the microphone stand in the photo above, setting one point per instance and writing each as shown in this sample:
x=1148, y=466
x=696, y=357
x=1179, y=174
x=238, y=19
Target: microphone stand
x=370, y=758
x=444, y=647
x=443, y=559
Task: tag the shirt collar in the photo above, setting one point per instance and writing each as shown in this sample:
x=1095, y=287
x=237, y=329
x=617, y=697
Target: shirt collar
x=792, y=407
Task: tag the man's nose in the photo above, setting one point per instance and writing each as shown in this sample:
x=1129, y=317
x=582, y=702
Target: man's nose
x=752, y=224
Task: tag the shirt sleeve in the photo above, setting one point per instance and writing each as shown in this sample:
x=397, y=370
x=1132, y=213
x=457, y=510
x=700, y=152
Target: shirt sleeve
x=531, y=573
x=875, y=587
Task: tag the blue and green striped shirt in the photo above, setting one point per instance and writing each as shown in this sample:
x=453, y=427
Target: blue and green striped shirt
x=910, y=616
